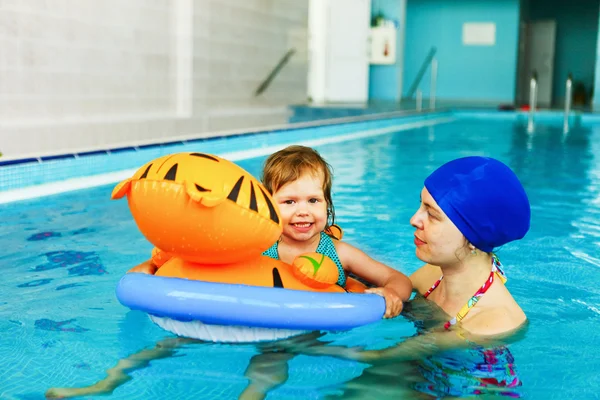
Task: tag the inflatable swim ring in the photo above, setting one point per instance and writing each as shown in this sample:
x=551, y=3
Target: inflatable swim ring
x=210, y=221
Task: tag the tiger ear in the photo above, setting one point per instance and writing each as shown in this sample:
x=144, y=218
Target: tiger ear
x=121, y=189
x=334, y=231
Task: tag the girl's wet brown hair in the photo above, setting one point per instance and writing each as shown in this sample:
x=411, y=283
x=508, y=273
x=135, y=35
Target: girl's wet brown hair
x=288, y=165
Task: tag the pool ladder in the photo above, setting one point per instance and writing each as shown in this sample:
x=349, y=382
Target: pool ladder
x=431, y=88
x=533, y=89
x=430, y=61
x=568, y=97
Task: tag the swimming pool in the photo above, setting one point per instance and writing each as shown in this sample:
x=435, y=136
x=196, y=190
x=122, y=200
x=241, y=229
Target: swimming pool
x=64, y=254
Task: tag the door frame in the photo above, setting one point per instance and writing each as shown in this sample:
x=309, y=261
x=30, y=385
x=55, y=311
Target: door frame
x=524, y=71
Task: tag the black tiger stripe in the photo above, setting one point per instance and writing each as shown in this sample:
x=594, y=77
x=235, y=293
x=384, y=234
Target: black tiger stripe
x=277, y=279
x=235, y=192
x=204, y=156
x=253, y=203
x=145, y=174
x=272, y=212
x=172, y=173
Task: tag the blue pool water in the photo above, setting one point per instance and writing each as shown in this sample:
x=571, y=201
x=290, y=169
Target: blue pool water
x=63, y=255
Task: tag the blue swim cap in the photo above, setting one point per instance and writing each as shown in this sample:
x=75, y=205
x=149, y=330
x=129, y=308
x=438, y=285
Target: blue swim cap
x=483, y=198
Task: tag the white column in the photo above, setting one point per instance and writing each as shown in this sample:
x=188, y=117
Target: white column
x=400, y=46
x=183, y=23
x=317, y=49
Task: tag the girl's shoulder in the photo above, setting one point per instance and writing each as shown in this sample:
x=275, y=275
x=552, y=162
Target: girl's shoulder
x=343, y=249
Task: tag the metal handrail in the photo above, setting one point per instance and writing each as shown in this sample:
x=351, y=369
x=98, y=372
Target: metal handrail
x=428, y=59
x=265, y=84
x=568, y=96
x=533, y=88
x=434, y=68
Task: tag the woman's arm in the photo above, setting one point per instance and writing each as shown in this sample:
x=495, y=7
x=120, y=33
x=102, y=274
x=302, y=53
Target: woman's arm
x=412, y=348
x=393, y=285
x=423, y=345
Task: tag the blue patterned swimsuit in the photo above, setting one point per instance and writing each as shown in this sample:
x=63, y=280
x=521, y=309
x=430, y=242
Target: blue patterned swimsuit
x=325, y=247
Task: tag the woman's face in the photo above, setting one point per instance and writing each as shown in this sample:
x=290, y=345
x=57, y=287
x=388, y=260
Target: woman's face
x=438, y=240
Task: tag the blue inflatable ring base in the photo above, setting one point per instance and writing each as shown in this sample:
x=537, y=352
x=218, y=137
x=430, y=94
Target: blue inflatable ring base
x=243, y=305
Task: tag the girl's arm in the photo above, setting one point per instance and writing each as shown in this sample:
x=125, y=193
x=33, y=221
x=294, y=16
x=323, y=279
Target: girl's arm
x=393, y=285
x=120, y=373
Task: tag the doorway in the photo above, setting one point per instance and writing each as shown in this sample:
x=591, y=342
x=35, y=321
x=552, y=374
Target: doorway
x=538, y=60
x=558, y=39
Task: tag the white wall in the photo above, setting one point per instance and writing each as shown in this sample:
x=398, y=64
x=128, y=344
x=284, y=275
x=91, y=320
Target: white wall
x=400, y=46
x=338, y=51
x=76, y=74
x=317, y=50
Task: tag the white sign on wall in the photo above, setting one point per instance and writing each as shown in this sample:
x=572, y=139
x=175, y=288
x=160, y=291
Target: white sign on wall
x=383, y=45
x=479, y=34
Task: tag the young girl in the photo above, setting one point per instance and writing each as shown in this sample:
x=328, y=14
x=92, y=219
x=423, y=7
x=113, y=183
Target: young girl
x=300, y=181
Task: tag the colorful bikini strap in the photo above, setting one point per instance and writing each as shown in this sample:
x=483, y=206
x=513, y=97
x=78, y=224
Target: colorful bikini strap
x=432, y=288
x=480, y=292
x=496, y=270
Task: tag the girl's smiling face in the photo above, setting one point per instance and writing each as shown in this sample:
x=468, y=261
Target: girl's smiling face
x=303, y=207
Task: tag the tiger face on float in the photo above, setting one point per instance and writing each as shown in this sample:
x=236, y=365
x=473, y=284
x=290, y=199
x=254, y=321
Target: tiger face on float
x=202, y=207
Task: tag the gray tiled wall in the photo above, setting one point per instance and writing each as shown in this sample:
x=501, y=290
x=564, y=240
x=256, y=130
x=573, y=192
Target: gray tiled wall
x=77, y=74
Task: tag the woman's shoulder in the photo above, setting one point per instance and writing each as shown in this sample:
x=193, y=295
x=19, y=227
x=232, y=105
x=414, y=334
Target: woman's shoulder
x=424, y=277
x=495, y=321
x=497, y=312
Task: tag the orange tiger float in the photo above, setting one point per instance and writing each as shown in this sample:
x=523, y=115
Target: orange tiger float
x=210, y=221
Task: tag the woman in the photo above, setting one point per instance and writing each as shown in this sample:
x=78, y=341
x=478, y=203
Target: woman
x=469, y=207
